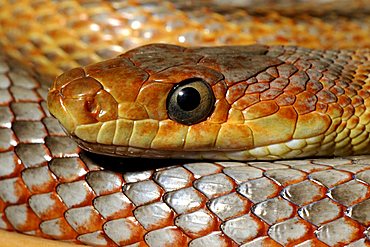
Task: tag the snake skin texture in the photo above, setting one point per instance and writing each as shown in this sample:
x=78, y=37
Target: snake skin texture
x=50, y=188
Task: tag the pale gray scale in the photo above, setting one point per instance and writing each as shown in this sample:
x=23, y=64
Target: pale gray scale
x=289, y=231
x=5, y=96
x=350, y=193
x=202, y=169
x=8, y=161
x=229, y=206
x=154, y=216
x=44, y=107
x=272, y=71
x=274, y=210
x=242, y=174
x=29, y=132
x=43, y=204
x=43, y=92
x=173, y=178
x=20, y=79
x=53, y=127
x=303, y=193
x=340, y=231
x=83, y=217
x=363, y=176
x=7, y=139
x=214, y=185
x=74, y=193
x=267, y=165
x=24, y=94
x=97, y=238
x=212, y=239
x=17, y=215
x=331, y=74
x=39, y=179
x=197, y=223
x=167, y=236
x=68, y=169
x=53, y=228
x=314, y=75
x=185, y=200
x=258, y=190
x=6, y=117
x=330, y=178
x=321, y=212
x=335, y=163
x=285, y=176
x=361, y=212
x=8, y=190
x=144, y=192
x=132, y=177
x=28, y=111
x=3, y=224
x=354, y=167
x=128, y=228
x=61, y=146
x=242, y=229
x=104, y=182
x=307, y=168
x=113, y=205
x=33, y=155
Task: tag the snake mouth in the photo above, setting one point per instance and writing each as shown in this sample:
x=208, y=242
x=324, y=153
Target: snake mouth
x=136, y=152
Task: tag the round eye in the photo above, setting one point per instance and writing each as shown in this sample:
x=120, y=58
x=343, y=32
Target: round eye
x=191, y=101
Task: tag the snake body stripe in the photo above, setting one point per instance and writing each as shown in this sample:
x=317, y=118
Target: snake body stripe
x=52, y=189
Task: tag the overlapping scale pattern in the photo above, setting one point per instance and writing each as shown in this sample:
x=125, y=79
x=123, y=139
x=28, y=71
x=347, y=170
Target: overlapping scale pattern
x=50, y=188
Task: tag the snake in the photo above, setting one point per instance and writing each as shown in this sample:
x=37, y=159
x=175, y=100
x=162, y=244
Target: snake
x=192, y=123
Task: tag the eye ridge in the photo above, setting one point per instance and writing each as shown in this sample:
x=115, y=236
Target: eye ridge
x=190, y=101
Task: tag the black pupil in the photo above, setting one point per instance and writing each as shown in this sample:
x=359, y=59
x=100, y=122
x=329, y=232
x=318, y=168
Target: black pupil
x=188, y=99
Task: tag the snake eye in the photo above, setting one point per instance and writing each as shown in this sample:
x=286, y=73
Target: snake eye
x=191, y=101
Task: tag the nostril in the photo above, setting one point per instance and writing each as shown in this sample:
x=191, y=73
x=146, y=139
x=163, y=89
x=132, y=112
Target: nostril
x=92, y=106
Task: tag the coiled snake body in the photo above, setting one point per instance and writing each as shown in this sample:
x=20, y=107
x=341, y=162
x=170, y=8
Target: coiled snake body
x=255, y=102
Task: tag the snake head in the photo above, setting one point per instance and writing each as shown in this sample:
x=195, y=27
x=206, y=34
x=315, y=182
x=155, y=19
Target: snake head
x=238, y=102
x=77, y=99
